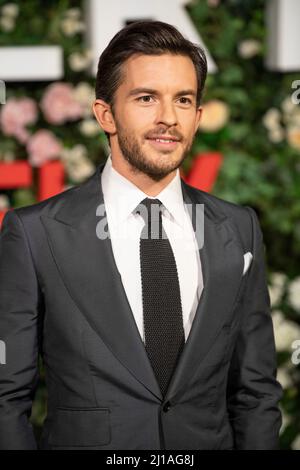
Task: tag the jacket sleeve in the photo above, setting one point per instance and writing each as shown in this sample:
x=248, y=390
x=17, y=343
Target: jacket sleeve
x=19, y=305
x=253, y=392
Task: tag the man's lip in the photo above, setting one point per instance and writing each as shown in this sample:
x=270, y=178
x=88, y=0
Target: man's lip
x=164, y=138
x=163, y=144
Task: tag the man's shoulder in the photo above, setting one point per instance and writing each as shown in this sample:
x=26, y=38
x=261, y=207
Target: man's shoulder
x=47, y=206
x=235, y=211
x=240, y=217
x=50, y=206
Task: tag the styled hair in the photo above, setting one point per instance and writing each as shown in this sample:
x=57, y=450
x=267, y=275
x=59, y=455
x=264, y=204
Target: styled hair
x=148, y=38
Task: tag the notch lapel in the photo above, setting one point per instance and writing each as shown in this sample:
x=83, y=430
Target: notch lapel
x=87, y=267
x=222, y=266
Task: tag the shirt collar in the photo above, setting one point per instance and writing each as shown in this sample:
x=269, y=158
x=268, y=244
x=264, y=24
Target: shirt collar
x=122, y=196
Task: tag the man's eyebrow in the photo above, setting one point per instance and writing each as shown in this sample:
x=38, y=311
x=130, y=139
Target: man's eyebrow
x=150, y=91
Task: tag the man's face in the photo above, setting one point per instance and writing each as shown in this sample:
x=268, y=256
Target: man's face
x=157, y=99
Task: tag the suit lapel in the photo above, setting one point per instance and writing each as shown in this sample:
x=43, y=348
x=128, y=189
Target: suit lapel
x=88, y=269
x=221, y=258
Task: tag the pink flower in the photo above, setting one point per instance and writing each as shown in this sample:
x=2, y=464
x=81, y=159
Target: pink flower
x=43, y=146
x=15, y=115
x=59, y=105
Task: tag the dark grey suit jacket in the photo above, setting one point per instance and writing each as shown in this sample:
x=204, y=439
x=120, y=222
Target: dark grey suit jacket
x=61, y=295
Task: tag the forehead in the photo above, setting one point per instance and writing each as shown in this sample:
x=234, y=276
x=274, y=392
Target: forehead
x=156, y=71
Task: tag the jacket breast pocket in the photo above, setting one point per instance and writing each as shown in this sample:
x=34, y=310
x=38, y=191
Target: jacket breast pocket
x=80, y=427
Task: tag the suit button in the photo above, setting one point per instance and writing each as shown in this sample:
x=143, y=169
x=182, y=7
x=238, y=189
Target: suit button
x=166, y=406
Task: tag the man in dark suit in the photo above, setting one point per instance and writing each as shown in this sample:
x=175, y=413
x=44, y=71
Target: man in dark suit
x=159, y=337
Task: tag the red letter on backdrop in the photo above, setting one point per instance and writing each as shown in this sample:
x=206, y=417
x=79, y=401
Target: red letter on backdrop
x=51, y=179
x=18, y=174
x=204, y=171
x=202, y=175
x=14, y=175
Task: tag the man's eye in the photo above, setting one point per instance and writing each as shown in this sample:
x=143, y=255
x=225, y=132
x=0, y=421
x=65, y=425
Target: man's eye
x=187, y=100
x=144, y=96
x=146, y=99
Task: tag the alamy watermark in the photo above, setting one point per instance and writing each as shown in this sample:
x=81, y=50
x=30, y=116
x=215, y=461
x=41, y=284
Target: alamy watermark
x=296, y=354
x=2, y=352
x=2, y=92
x=192, y=222
x=296, y=95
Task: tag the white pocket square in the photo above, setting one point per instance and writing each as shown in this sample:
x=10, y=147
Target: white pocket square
x=247, y=261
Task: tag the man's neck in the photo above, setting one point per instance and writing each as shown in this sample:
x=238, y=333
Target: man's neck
x=144, y=182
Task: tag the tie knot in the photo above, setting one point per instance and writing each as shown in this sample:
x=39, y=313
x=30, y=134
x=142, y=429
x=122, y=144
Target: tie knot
x=150, y=211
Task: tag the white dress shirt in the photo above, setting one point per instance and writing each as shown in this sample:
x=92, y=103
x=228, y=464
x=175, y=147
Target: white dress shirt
x=121, y=197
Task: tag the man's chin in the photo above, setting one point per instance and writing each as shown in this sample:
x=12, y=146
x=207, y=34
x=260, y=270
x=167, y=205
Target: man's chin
x=158, y=172
x=155, y=164
x=157, y=176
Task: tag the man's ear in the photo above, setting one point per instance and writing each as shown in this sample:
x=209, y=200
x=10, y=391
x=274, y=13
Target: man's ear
x=198, y=117
x=104, y=116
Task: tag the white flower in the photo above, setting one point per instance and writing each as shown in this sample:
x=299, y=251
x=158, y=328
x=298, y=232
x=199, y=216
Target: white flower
x=77, y=164
x=286, y=419
x=71, y=26
x=84, y=94
x=81, y=170
x=294, y=293
x=276, y=288
x=296, y=443
x=277, y=318
x=292, y=118
x=4, y=202
x=285, y=331
x=271, y=119
x=276, y=135
x=80, y=61
x=74, y=13
x=284, y=377
x=7, y=23
x=215, y=115
x=249, y=48
x=287, y=105
x=10, y=9
x=78, y=152
x=295, y=117
x=89, y=127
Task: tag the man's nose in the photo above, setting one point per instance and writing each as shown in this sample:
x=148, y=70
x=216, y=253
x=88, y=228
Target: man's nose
x=167, y=114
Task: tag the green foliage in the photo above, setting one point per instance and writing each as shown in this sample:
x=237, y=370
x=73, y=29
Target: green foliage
x=259, y=170
x=256, y=171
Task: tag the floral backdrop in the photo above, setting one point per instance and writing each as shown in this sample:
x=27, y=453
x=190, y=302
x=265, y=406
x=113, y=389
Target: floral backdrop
x=248, y=117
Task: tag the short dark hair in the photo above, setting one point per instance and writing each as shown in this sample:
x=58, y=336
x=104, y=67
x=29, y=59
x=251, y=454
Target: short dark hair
x=149, y=38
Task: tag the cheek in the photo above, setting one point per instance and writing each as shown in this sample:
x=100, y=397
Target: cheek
x=143, y=116
x=139, y=122
x=191, y=127
x=187, y=120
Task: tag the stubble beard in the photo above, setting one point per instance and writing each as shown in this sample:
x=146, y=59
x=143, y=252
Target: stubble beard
x=139, y=161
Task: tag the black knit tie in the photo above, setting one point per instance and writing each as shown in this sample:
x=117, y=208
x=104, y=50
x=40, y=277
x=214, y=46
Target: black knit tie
x=163, y=325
